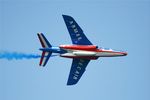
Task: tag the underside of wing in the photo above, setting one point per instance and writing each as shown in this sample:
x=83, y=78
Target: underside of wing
x=76, y=33
x=77, y=69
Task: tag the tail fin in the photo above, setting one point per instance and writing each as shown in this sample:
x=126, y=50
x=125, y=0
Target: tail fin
x=44, y=41
x=45, y=44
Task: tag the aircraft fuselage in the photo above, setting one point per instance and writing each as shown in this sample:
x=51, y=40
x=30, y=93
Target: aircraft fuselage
x=91, y=52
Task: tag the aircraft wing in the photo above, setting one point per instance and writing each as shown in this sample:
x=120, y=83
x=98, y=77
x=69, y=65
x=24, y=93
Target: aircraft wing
x=77, y=69
x=76, y=33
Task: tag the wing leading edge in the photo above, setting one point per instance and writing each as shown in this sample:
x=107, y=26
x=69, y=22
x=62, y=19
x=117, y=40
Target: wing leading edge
x=77, y=69
x=76, y=33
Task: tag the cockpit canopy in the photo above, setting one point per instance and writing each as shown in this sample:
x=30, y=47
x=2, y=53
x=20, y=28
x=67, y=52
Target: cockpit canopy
x=109, y=49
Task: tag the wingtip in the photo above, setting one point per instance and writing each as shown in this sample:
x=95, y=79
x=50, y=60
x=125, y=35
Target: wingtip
x=39, y=33
x=65, y=15
x=41, y=65
x=71, y=83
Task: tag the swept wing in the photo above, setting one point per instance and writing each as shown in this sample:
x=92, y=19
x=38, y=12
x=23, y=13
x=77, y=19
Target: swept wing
x=77, y=69
x=75, y=31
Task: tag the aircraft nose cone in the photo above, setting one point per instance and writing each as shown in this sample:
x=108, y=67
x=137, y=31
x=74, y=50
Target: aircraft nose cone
x=125, y=53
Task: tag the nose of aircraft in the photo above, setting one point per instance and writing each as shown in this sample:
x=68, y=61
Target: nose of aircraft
x=124, y=53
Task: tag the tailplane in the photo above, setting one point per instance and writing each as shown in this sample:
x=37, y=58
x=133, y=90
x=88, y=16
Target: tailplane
x=45, y=54
x=44, y=41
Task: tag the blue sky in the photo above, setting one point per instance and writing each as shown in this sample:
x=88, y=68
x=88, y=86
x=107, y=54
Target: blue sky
x=118, y=24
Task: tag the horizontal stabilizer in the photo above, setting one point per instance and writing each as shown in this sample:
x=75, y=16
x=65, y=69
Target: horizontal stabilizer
x=44, y=41
x=45, y=44
x=44, y=58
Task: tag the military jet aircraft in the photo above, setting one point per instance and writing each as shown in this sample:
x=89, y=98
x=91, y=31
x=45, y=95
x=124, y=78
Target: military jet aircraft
x=82, y=51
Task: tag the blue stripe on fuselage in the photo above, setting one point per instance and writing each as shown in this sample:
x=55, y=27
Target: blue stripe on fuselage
x=54, y=50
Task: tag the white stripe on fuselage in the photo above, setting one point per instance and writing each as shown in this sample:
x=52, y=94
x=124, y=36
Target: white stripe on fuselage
x=84, y=53
x=71, y=52
x=108, y=54
x=78, y=53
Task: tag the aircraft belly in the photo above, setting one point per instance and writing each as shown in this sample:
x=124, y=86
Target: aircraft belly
x=78, y=53
x=107, y=54
x=84, y=53
x=68, y=54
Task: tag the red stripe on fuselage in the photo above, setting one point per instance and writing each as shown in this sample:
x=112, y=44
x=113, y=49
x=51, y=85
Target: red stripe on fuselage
x=100, y=50
x=79, y=47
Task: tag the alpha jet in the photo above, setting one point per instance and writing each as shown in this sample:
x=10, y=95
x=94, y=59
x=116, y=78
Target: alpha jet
x=82, y=51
